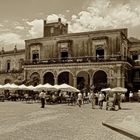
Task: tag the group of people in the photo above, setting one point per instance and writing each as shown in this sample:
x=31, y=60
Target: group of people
x=97, y=98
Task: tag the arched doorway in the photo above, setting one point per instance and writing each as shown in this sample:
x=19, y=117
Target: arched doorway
x=83, y=80
x=65, y=77
x=35, y=79
x=48, y=78
x=100, y=80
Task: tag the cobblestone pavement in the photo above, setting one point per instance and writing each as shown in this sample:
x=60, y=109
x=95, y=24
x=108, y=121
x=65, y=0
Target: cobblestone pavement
x=21, y=121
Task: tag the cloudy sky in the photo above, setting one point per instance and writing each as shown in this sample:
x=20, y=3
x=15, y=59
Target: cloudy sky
x=23, y=19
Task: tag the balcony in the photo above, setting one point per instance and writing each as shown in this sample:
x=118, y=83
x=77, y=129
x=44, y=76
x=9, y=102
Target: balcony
x=84, y=59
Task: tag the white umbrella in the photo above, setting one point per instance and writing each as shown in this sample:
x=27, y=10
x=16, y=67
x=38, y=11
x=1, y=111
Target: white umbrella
x=57, y=87
x=30, y=87
x=23, y=87
x=46, y=87
x=10, y=86
x=66, y=87
x=50, y=87
x=39, y=87
x=106, y=89
x=119, y=89
x=1, y=86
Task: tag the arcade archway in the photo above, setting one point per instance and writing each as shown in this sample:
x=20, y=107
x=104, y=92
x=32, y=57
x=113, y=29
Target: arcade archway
x=65, y=77
x=100, y=79
x=48, y=78
x=35, y=79
x=83, y=80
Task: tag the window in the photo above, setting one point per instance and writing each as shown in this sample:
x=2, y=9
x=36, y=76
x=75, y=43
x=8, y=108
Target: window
x=135, y=57
x=64, y=51
x=52, y=30
x=35, y=55
x=99, y=52
x=8, y=65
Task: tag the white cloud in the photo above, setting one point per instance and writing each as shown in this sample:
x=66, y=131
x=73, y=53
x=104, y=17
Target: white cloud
x=54, y=18
x=19, y=27
x=8, y=39
x=1, y=25
x=37, y=24
x=105, y=14
x=36, y=28
x=100, y=14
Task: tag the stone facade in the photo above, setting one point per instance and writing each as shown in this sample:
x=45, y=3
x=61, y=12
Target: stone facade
x=100, y=58
x=11, y=66
x=79, y=57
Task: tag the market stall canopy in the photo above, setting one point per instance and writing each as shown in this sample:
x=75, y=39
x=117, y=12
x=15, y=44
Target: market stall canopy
x=106, y=89
x=119, y=89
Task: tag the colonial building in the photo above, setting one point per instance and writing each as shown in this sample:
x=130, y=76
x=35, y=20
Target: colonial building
x=100, y=58
x=79, y=59
x=11, y=66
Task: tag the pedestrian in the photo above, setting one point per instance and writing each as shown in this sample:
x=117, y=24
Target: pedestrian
x=92, y=99
x=79, y=100
x=101, y=98
x=42, y=96
x=117, y=97
x=89, y=97
x=131, y=96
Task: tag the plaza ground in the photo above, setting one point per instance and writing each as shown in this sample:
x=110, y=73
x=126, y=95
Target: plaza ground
x=21, y=121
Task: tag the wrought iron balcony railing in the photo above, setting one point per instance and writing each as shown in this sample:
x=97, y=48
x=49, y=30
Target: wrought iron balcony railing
x=79, y=60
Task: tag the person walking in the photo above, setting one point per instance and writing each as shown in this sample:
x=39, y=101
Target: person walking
x=101, y=98
x=42, y=96
x=79, y=100
x=92, y=99
x=118, y=99
x=131, y=96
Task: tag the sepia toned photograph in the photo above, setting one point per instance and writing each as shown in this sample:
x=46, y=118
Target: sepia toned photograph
x=69, y=69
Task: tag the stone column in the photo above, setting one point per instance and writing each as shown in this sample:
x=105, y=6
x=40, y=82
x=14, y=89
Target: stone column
x=118, y=81
x=41, y=80
x=25, y=75
x=123, y=82
x=119, y=75
x=55, y=80
x=91, y=80
x=75, y=81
